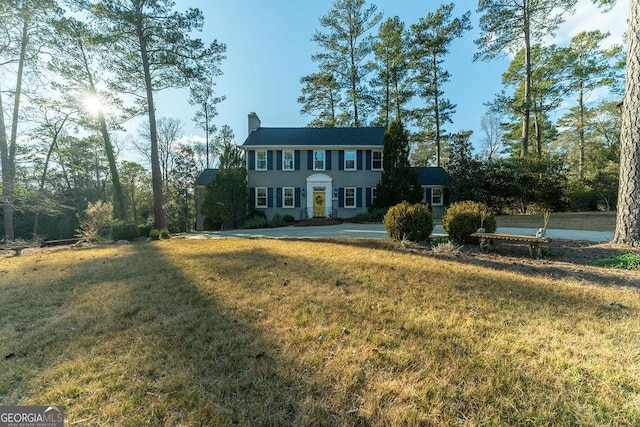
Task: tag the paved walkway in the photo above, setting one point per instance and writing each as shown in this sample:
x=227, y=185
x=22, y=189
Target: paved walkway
x=377, y=231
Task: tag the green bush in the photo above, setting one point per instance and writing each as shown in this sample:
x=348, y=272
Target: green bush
x=277, y=221
x=409, y=221
x=255, y=221
x=154, y=234
x=164, y=233
x=143, y=230
x=374, y=215
x=288, y=219
x=210, y=224
x=120, y=230
x=463, y=218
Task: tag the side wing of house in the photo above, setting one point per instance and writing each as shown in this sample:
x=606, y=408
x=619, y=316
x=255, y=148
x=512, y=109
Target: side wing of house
x=434, y=182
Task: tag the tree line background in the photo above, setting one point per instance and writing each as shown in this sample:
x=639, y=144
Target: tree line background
x=551, y=138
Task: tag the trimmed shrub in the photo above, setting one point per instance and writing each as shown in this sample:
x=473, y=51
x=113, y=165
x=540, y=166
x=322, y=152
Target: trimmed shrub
x=374, y=215
x=255, y=221
x=463, y=218
x=277, y=221
x=409, y=221
x=120, y=230
x=288, y=219
x=154, y=234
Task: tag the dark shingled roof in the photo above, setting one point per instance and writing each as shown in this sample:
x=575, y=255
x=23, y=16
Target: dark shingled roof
x=316, y=137
x=432, y=175
x=206, y=176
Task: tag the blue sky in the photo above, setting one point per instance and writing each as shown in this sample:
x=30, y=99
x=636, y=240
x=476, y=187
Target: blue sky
x=269, y=48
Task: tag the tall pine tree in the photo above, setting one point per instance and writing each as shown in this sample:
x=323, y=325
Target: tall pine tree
x=398, y=182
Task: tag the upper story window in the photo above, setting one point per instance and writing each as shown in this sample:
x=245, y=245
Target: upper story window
x=287, y=160
x=376, y=160
x=318, y=160
x=261, y=160
x=349, y=160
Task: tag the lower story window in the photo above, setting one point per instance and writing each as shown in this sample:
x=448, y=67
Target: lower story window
x=287, y=197
x=436, y=197
x=261, y=197
x=350, y=197
x=374, y=196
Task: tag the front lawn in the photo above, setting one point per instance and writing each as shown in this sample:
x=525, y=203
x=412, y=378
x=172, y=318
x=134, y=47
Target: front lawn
x=348, y=332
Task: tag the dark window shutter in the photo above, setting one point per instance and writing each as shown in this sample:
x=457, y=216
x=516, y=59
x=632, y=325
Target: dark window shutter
x=279, y=160
x=368, y=197
x=327, y=160
x=270, y=197
x=310, y=160
x=341, y=160
x=358, y=197
x=297, y=201
x=428, y=196
x=341, y=197
x=252, y=197
x=368, y=161
x=269, y=160
x=359, y=160
x=279, y=197
x=296, y=159
x=252, y=160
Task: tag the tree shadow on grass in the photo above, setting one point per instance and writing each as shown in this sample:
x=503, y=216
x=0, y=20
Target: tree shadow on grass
x=127, y=338
x=143, y=334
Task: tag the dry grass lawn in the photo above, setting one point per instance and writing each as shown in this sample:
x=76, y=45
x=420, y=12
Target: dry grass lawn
x=264, y=332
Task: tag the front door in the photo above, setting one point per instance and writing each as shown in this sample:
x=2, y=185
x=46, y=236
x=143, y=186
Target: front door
x=318, y=204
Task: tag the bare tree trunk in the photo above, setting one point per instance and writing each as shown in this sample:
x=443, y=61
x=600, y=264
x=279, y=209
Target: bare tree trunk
x=160, y=217
x=581, y=133
x=526, y=113
x=628, y=216
x=8, y=181
x=119, y=205
x=56, y=133
x=436, y=105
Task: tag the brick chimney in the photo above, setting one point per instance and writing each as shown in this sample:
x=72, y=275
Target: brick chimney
x=254, y=122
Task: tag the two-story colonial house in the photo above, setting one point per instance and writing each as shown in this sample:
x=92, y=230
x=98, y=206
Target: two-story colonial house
x=313, y=172
x=321, y=172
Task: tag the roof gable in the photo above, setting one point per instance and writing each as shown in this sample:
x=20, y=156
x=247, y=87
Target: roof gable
x=432, y=175
x=206, y=176
x=353, y=137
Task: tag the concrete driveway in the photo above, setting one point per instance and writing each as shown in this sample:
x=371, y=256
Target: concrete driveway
x=377, y=231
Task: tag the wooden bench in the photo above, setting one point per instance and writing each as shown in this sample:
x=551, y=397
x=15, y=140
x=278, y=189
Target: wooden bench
x=17, y=250
x=487, y=239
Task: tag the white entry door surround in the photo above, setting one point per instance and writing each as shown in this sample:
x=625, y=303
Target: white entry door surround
x=315, y=183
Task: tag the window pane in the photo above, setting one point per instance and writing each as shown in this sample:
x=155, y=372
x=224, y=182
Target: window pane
x=261, y=197
x=288, y=197
x=436, y=196
x=376, y=160
x=287, y=160
x=261, y=160
x=318, y=160
x=349, y=160
x=350, y=197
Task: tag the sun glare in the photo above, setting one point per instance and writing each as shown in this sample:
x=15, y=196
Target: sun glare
x=93, y=104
